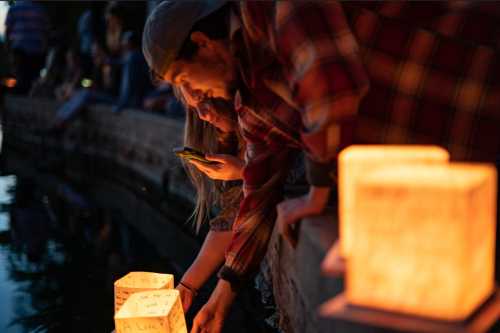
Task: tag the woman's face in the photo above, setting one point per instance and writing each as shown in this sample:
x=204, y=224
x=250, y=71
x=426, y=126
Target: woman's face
x=208, y=109
x=206, y=81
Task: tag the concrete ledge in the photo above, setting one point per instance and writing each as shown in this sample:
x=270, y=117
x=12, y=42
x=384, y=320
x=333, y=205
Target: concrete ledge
x=299, y=287
x=134, y=139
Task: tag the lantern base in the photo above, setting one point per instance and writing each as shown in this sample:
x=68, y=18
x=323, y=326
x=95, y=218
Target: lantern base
x=479, y=322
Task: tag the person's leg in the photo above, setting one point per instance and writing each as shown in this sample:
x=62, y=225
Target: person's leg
x=76, y=105
x=71, y=108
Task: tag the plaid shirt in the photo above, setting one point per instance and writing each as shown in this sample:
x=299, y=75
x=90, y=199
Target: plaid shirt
x=433, y=75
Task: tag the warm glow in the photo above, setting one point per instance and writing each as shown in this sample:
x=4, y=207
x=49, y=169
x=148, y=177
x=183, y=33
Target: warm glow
x=86, y=83
x=357, y=160
x=134, y=282
x=9, y=82
x=425, y=239
x=157, y=311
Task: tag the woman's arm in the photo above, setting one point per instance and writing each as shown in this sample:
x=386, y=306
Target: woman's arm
x=210, y=257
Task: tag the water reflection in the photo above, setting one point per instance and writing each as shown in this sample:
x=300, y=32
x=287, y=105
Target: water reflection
x=60, y=254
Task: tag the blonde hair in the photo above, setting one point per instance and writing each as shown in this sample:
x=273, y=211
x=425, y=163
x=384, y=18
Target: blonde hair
x=204, y=137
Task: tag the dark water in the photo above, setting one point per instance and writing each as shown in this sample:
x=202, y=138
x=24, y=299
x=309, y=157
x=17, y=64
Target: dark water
x=59, y=256
x=69, y=228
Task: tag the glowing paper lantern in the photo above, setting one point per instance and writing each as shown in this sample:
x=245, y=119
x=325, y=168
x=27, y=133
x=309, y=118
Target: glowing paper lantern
x=425, y=242
x=357, y=160
x=156, y=311
x=135, y=282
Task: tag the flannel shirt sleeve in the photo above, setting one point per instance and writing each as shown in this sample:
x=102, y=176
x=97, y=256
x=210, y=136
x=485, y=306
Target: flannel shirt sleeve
x=264, y=176
x=325, y=75
x=327, y=81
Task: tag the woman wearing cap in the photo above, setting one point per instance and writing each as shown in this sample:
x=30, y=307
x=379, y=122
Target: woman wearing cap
x=213, y=64
x=213, y=131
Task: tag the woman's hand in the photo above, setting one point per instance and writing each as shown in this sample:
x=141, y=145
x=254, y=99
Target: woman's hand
x=210, y=319
x=228, y=167
x=208, y=260
x=187, y=297
x=292, y=210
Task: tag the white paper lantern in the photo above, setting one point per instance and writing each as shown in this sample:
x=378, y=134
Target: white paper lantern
x=135, y=282
x=425, y=240
x=156, y=311
x=357, y=160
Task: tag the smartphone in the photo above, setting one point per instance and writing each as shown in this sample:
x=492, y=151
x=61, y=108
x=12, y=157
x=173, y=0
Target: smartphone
x=192, y=154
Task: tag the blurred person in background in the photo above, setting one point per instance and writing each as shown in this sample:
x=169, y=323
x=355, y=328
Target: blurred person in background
x=116, y=24
x=163, y=100
x=85, y=29
x=53, y=74
x=26, y=31
x=129, y=92
x=100, y=88
x=135, y=80
x=72, y=75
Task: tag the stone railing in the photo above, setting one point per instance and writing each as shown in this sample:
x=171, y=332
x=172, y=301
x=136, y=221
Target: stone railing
x=298, y=284
x=143, y=142
x=133, y=139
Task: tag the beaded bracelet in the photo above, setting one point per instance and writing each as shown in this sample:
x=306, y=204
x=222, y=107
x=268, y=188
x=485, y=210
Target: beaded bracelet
x=188, y=287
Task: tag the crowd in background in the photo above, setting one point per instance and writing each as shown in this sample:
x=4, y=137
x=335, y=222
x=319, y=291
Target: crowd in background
x=103, y=64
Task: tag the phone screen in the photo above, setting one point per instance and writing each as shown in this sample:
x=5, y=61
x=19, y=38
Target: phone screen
x=192, y=154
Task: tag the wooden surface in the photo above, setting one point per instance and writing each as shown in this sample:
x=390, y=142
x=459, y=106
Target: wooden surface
x=482, y=320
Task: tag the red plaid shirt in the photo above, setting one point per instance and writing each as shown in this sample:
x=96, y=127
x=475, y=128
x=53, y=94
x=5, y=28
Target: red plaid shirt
x=434, y=75
x=434, y=78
